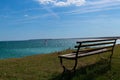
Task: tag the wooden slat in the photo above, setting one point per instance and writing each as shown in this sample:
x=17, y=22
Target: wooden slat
x=96, y=44
x=68, y=56
x=95, y=40
x=92, y=53
x=73, y=55
x=94, y=49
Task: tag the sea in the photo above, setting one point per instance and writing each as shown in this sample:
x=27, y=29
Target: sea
x=17, y=49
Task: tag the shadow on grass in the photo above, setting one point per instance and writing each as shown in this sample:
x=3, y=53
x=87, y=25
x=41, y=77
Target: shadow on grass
x=89, y=72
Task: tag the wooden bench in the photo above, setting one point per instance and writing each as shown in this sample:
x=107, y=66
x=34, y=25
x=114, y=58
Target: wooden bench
x=87, y=48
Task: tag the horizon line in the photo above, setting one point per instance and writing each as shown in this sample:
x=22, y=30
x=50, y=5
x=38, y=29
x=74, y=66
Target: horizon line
x=116, y=37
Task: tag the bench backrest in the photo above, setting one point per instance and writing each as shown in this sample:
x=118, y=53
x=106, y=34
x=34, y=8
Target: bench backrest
x=94, y=45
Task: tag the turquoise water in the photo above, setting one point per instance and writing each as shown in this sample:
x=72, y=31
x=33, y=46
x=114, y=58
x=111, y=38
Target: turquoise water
x=16, y=49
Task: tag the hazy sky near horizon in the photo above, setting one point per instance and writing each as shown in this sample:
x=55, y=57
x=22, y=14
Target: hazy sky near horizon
x=38, y=19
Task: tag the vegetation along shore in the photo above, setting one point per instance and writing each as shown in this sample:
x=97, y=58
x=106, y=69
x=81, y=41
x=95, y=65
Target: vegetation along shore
x=47, y=67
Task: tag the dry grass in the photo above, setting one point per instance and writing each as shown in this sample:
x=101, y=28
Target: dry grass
x=47, y=67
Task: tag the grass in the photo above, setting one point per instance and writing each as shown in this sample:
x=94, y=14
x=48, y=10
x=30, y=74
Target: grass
x=47, y=67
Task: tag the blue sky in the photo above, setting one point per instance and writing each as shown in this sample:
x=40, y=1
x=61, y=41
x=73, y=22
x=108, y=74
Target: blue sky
x=38, y=19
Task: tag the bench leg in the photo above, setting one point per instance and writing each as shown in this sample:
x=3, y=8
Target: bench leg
x=75, y=65
x=61, y=62
x=112, y=54
x=65, y=69
x=110, y=59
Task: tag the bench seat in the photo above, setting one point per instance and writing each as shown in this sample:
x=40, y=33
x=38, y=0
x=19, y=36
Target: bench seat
x=73, y=55
x=87, y=48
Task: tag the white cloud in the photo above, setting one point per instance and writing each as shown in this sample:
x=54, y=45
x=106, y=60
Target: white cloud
x=102, y=2
x=51, y=12
x=62, y=3
x=96, y=6
x=46, y=1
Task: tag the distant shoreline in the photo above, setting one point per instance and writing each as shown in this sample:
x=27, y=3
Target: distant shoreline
x=118, y=37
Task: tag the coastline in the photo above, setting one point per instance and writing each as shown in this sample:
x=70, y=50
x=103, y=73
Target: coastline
x=47, y=67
